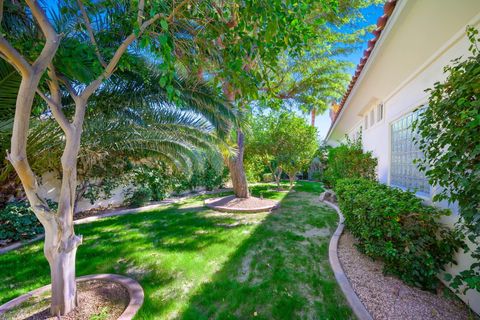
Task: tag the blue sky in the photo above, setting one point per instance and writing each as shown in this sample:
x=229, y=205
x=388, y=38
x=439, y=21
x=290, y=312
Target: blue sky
x=371, y=15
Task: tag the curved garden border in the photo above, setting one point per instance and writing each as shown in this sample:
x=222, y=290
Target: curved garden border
x=352, y=298
x=112, y=213
x=135, y=291
x=209, y=203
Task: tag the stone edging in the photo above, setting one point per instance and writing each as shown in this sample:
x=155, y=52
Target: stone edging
x=112, y=213
x=352, y=298
x=135, y=291
x=240, y=210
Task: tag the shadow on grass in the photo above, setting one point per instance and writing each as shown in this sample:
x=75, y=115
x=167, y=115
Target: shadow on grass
x=194, y=263
x=278, y=272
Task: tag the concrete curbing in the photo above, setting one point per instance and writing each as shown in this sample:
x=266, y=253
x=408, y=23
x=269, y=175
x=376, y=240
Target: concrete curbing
x=113, y=213
x=135, y=291
x=208, y=204
x=352, y=298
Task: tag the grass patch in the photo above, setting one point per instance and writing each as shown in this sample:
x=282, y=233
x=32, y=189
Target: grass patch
x=194, y=263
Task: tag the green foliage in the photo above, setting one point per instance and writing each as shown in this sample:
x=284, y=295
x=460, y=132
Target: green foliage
x=281, y=141
x=254, y=167
x=349, y=161
x=18, y=222
x=394, y=226
x=449, y=137
x=140, y=197
x=267, y=177
x=158, y=179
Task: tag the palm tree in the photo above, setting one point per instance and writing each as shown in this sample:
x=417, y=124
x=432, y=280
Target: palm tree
x=140, y=121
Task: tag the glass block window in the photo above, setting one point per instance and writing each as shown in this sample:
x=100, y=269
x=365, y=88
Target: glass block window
x=404, y=172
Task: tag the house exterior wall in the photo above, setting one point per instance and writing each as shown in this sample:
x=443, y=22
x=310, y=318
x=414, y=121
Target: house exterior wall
x=399, y=82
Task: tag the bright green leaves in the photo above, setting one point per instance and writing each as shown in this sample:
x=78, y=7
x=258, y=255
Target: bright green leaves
x=164, y=25
x=394, y=226
x=449, y=137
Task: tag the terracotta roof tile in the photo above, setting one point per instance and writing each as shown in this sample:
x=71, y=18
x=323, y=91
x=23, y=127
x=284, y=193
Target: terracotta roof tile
x=381, y=22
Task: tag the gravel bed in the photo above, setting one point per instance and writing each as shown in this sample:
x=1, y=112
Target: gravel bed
x=387, y=297
x=97, y=299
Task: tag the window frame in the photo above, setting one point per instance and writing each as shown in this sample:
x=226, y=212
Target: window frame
x=425, y=194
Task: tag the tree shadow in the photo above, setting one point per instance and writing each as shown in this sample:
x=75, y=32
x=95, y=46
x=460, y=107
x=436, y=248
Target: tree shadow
x=278, y=272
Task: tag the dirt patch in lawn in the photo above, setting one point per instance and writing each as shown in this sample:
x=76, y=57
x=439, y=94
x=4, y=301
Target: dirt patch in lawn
x=387, y=297
x=97, y=299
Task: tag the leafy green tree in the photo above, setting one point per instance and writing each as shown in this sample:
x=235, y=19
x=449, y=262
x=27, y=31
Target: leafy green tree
x=297, y=143
x=449, y=137
x=284, y=143
x=76, y=62
x=254, y=44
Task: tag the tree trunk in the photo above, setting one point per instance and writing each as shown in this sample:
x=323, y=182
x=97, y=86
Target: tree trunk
x=61, y=242
x=291, y=178
x=237, y=170
x=313, y=114
x=61, y=259
x=278, y=176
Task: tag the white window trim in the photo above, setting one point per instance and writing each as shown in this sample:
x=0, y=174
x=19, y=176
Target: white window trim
x=367, y=119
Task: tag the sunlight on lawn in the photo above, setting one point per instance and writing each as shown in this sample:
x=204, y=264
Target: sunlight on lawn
x=194, y=263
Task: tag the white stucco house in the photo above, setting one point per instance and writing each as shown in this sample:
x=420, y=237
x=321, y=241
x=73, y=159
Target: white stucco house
x=413, y=41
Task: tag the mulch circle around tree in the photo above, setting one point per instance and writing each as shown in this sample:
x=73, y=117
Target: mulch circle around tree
x=241, y=205
x=100, y=296
x=97, y=299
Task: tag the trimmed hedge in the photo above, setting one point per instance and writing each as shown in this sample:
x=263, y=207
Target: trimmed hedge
x=394, y=226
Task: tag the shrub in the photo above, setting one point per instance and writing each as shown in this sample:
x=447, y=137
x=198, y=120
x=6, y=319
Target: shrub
x=317, y=176
x=394, y=226
x=267, y=177
x=17, y=221
x=158, y=179
x=140, y=196
x=349, y=161
x=449, y=138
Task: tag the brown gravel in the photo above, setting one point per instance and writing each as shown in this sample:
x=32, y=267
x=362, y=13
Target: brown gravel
x=241, y=203
x=386, y=297
x=97, y=299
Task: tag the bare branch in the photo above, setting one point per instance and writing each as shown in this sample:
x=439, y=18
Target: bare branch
x=176, y=9
x=55, y=102
x=1, y=10
x=141, y=6
x=14, y=57
x=71, y=91
x=90, y=89
x=90, y=33
x=52, y=38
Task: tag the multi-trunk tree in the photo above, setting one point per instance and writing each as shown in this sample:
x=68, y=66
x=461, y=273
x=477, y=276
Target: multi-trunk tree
x=284, y=142
x=277, y=50
x=49, y=53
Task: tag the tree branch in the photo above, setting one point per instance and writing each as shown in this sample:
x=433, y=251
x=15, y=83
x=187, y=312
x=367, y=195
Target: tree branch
x=55, y=102
x=1, y=11
x=52, y=38
x=175, y=10
x=90, y=89
x=14, y=57
x=141, y=6
x=90, y=33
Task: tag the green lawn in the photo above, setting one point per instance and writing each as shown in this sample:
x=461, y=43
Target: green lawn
x=195, y=263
